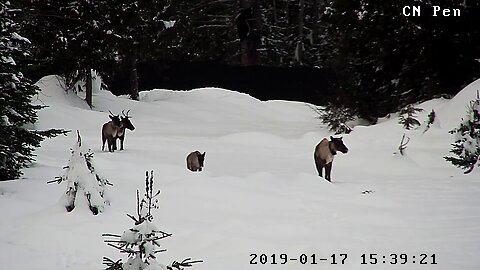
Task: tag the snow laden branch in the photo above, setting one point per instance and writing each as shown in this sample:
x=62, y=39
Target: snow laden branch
x=142, y=242
x=81, y=174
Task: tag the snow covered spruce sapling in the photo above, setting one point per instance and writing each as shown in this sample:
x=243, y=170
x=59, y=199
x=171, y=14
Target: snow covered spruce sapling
x=81, y=175
x=467, y=139
x=142, y=241
x=407, y=117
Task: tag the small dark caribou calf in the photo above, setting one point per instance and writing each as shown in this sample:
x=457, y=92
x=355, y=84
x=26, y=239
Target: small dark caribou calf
x=195, y=161
x=125, y=124
x=324, y=153
x=110, y=131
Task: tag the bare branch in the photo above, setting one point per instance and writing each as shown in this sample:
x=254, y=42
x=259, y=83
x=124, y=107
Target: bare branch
x=403, y=145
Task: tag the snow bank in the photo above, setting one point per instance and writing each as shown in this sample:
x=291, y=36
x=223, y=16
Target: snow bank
x=451, y=114
x=52, y=92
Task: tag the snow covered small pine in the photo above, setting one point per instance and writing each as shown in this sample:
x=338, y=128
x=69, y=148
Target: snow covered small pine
x=142, y=241
x=467, y=139
x=80, y=174
x=407, y=117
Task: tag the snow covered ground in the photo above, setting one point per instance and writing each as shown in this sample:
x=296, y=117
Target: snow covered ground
x=259, y=192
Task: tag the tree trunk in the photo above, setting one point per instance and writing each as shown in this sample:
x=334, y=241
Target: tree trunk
x=249, y=46
x=287, y=12
x=299, y=49
x=275, y=16
x=316, y=21
x=133, y=78
x=89, y=90
x=70, y=197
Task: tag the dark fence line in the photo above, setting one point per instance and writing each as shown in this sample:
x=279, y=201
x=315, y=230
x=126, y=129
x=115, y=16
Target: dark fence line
x=311, y=85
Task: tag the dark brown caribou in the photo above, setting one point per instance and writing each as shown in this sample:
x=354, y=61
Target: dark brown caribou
x=125, y=124
x=324, y=153
x=110, y=131
x=195, y=161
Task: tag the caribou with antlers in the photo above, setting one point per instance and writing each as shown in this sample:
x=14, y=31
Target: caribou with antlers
x=125, y=124
x=115, y=129
x=110, y=130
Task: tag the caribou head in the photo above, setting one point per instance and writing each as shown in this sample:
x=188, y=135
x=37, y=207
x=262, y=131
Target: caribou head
x=125, y=119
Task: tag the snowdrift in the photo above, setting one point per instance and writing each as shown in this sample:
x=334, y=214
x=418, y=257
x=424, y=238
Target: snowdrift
x=455, y=109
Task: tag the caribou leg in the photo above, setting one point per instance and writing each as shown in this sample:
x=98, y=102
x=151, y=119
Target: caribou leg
x=319, y=166
x=111, y=142
x=328, y=170
x=121, y=142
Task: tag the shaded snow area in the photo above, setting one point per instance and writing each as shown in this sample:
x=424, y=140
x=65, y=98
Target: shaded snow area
x=259, y=192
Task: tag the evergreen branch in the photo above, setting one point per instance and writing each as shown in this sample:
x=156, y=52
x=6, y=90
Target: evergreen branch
x=53, y=132
x=116, y=241
x=134, y=219
x=185, y=263
x=160, y=237
x=158, y=193
x=470, y=169
x=63, y=17
x=164, y=234
x=122, y=249
x=112, y=265
x=57, y=179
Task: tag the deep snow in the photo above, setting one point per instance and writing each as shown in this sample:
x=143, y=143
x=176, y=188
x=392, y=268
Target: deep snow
x=259, y=191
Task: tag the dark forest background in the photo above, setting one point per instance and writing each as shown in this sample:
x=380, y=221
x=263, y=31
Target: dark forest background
x=364, y=55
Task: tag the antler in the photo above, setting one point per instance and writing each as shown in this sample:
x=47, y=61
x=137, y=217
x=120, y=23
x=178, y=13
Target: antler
x=112, y=114
x=124, y=113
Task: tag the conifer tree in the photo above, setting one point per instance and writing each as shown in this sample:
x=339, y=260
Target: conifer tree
x=88, y=42
x=376, y=74
x=77, y=41
x=407, y=117
x=466, y=147
x=335, y=117
x=279, y=33
x=17, y=113
x=204, y=31
x=291, y=34
x=142, y=241
x=136, y=31
x=81, y=175
x=431, y=119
